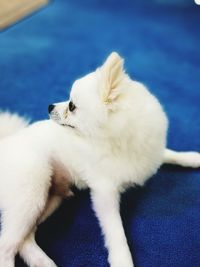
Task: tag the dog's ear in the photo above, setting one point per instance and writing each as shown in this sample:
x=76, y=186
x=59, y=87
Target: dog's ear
x=112, y=74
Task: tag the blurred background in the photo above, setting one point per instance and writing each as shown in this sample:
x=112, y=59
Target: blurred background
x=43, y=54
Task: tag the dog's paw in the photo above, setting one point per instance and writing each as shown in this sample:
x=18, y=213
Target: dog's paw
x=121, y=260
x=37, y=259
x=44, y=262
x=192, y=160
x=120, y=263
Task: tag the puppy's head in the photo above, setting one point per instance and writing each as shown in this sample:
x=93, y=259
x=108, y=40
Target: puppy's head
x=95, y=101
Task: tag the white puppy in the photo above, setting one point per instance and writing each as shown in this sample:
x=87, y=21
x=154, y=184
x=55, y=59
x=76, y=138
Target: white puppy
x=110, y=135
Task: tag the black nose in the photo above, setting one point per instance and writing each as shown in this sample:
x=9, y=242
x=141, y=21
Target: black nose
x=50, y=108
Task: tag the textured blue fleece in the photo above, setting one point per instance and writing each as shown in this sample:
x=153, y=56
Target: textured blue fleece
x=41, y=56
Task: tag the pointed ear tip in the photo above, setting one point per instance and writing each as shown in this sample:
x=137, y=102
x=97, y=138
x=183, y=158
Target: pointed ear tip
x=115, y=55
x=113, y=59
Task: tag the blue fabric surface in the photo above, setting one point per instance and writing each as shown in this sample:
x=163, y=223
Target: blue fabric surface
x=41, y=56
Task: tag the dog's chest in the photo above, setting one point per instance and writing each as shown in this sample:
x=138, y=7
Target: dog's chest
x=102, y=163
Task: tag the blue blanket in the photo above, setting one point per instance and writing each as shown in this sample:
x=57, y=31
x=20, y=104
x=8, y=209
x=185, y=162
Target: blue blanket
x=41, y=56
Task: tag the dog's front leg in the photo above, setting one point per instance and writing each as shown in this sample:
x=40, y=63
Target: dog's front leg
x=106, y=205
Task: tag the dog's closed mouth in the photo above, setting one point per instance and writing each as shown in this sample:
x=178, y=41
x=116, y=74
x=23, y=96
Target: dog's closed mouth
x=68, y=125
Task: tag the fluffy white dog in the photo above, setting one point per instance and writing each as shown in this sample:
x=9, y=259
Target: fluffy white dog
x=110, y=135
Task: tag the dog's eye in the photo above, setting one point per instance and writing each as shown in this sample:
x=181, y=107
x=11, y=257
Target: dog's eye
x=72, y=107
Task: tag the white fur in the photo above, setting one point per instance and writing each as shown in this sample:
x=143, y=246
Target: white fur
x=115, y=138
x=10, y=124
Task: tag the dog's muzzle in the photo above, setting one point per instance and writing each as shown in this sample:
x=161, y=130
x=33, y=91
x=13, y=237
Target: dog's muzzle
x=54, y=115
